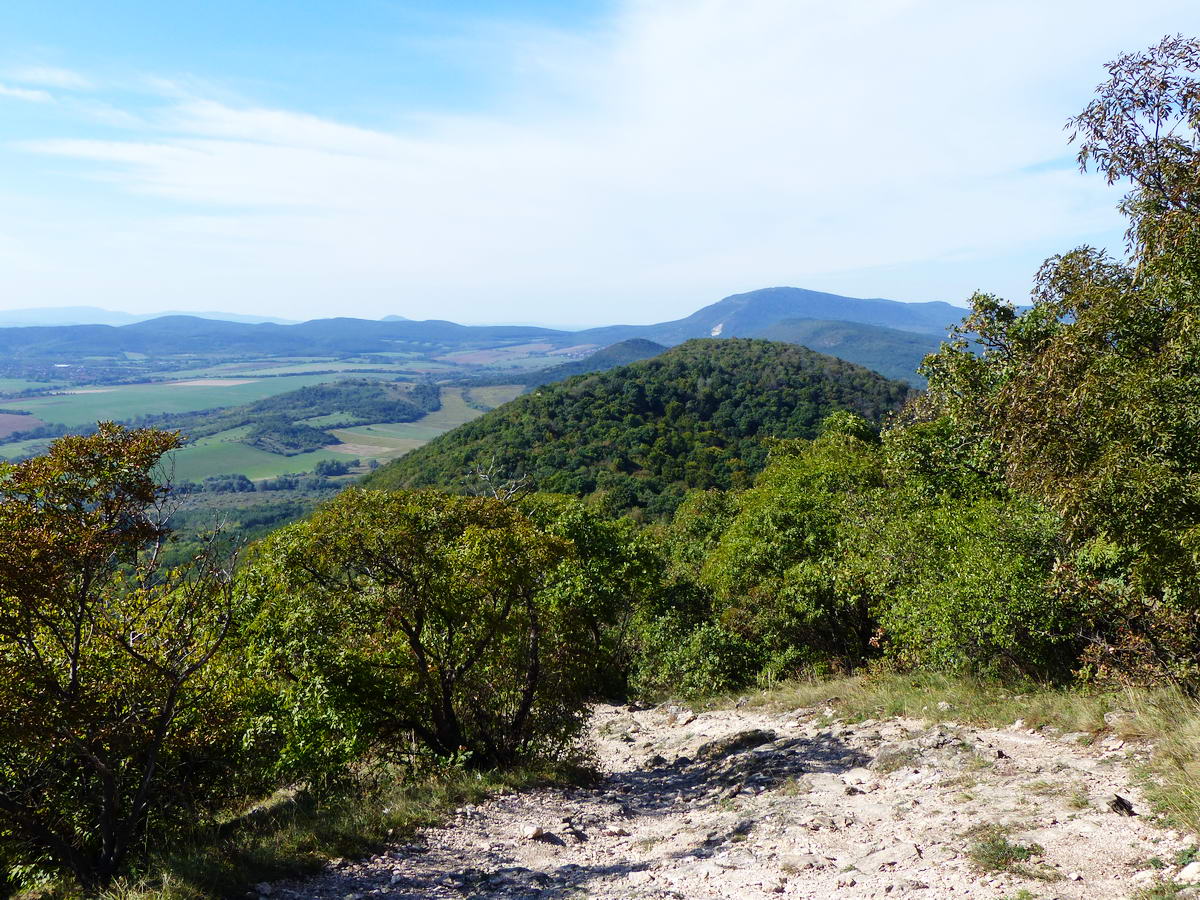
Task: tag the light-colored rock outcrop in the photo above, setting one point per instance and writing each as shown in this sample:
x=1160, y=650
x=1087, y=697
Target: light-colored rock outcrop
x=744, y=804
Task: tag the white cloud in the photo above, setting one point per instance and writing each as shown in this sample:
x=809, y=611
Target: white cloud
x=17, y=93
x=51, y=76
x=690, y=149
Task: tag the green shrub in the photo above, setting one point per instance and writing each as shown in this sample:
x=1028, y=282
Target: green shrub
x=611, y=571
x=420, y=620
x=121, y=713
x=779, y=572
x=682, y=661
x=969, y=590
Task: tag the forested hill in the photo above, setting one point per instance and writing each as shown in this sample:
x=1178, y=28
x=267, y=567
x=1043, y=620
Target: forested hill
x=643, y=434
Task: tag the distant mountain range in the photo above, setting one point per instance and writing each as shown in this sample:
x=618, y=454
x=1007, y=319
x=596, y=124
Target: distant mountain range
x=745, y=315
x=886, y=335
x=94, y=315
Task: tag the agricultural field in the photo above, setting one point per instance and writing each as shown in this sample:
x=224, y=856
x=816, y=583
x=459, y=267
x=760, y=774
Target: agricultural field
x=223, y=454
x=126, y=402
x=10, y=422
x=16, y=385
x=493, y=395
x=389, y=440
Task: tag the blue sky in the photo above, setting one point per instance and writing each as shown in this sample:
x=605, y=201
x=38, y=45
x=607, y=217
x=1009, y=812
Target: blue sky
x=571, y=163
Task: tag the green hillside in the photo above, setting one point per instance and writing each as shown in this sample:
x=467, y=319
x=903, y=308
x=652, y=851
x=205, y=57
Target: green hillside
x=889, y=351
x=692, y=417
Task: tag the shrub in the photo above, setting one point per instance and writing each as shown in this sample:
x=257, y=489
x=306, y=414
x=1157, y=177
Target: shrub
x=393, y=618
x=969, y=589
x=678, y=660
x=779, y=572
x=118, y=717
x=612, y=570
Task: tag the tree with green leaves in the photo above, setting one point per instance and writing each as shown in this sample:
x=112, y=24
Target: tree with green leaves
x=1086, y=401
x=115, y=716
x=388, y=617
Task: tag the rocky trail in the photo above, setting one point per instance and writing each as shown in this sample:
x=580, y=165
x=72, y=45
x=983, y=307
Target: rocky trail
x=742, y=803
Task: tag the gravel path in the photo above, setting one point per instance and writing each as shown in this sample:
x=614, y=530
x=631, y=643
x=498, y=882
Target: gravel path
x=748, y=804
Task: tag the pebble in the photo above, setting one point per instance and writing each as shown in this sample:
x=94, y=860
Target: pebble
x=1190, y=872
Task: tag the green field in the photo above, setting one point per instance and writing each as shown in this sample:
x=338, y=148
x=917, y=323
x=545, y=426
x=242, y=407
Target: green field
x=494, y=395
x=389, y=440
x=223, y=454
x=351, y=367
x=14, y=385
x=23, y=448
x=125, y=402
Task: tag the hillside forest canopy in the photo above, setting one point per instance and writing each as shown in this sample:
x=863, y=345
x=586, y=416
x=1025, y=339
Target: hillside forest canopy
x=1033, y=517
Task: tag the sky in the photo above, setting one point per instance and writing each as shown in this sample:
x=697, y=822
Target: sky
x=563, y=162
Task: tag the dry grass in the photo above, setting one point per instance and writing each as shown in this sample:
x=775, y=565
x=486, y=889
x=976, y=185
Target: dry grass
x=300, y=834
x=1165, y=717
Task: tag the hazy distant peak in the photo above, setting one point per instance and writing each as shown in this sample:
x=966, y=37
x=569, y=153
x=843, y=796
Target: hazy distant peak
x=94, y=315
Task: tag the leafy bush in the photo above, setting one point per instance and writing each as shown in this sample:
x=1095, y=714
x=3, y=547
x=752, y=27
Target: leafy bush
x=780, y=573
x=120, y=718
x=705, y=659
x=968, y=587
x=612, y=570
x=393, y=618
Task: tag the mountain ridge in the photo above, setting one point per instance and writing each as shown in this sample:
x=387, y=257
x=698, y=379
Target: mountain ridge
x=750, y=314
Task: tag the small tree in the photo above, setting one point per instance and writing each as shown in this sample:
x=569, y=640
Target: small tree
x=1086, y=402
x=387, y=615
x=112, y=715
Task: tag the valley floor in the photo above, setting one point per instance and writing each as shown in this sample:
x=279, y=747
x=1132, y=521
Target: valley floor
x=814, y=808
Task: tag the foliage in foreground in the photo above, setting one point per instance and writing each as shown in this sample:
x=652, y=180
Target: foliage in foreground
x=394, y=633
x=118, y=711
x=388, y=618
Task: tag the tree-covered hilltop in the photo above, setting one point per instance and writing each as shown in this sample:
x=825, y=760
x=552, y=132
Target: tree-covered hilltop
x=642, y=435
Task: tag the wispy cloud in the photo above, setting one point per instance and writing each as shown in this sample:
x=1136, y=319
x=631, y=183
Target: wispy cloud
x=51, y=76
x=688, y=150
x=30, y=94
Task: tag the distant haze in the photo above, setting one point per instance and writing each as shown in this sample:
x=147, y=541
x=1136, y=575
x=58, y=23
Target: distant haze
x=575, y=164
x=92, y=315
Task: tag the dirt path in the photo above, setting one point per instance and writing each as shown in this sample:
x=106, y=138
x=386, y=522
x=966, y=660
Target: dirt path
x=701, y=806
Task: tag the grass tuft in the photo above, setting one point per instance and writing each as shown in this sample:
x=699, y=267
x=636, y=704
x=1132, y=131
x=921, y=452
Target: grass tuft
x=992, y=853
